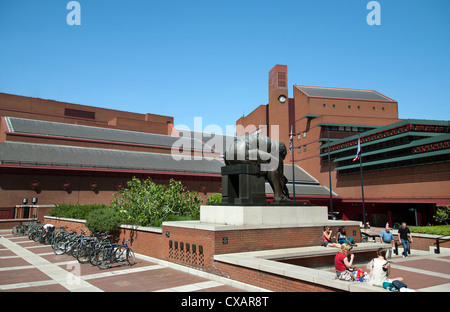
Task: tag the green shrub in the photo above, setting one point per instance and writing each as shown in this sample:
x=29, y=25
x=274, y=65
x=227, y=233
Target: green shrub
x=214, y=199
x=435, y=230
x=103, y=220
x=74, y=211
x=146, y=203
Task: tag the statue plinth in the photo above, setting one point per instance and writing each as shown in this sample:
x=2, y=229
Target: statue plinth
x=264, y=215
x=243, y=184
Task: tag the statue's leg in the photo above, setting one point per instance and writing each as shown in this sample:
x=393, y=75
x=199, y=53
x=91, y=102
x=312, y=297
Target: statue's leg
x=275, y=181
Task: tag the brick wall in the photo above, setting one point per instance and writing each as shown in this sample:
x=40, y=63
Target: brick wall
x=269, y=281
x=210, y=243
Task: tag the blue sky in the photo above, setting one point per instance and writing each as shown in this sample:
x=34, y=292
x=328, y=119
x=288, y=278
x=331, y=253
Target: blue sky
x=210, y=59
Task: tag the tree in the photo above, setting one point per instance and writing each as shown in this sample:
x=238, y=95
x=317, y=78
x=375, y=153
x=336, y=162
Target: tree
x=146, y=203
x=442, y=215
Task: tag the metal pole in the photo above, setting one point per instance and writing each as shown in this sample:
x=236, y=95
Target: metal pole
x=293, y=168
x=362, y=188
x=329, y=173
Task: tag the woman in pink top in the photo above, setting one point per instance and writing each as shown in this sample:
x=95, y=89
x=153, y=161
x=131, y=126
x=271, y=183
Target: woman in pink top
x=327, y=238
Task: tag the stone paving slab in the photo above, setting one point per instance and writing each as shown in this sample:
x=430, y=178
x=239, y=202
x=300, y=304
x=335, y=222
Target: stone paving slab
x=434, y=265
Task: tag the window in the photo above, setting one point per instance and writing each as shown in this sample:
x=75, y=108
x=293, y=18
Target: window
x=304, y=148
x=349, y=106
x=299, y=136
x=334, y=105
x=299, y=149
x=324, y=105
x=304, y=134
x=359, y=107
x=373, y=108
x=382, y=109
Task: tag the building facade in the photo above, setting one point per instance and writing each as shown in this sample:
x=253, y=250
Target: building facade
x=63, y=153
x=405, y=163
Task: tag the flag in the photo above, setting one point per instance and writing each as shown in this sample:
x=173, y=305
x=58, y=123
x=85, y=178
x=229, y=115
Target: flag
x=358, y=152
x=290, y=140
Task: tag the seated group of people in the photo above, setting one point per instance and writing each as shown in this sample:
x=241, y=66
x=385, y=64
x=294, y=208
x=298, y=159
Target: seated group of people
x=379, y=267
x=341, y=238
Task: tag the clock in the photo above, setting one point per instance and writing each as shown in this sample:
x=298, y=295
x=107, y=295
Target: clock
x=282, y=98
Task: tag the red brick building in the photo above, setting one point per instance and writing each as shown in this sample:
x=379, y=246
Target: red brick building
x=67, y=153
x=63, y=153
x=402, y=170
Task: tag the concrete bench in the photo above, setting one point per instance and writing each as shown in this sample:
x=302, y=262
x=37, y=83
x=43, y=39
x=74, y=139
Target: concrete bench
x=269, y=261
x=314, y=256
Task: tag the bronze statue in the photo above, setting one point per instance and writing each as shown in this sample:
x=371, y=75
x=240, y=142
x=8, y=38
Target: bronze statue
x=266, y=153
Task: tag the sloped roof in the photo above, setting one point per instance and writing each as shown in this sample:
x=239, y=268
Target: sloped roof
x=38, y=127
x=343, y=93
x=218, y=142
x=82, y=157
x=301, y=176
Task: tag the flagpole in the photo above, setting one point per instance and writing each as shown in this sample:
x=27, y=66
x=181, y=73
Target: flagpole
x=329, y=173
x=293, y=169
x=362, y=184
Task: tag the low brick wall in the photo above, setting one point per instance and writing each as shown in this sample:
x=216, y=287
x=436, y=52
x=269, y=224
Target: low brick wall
x=8, y=224
x=271, y=281
x=146, y=240
x=424, y=241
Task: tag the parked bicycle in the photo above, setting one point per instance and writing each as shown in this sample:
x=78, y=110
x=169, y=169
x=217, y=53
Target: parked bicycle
x=22, y=229
x=97, y=248
x=117, y=253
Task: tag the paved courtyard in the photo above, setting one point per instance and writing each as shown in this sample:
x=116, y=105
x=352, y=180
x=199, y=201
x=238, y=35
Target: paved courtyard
x=32, y=267
x=29, y=266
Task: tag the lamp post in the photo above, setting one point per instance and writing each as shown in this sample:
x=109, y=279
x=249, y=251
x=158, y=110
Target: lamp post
x=329, y=173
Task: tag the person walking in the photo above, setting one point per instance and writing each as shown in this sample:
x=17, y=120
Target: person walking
x=404, y=235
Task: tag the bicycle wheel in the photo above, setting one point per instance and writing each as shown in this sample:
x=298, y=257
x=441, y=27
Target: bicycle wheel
x=97, y=255
x=131, y=259
x=93, y=258
x=38, y=236
x=16, y=230
x=60, y=247
x=107, y=258
x=83, y=254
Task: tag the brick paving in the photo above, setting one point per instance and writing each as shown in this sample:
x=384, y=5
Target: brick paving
x=27, y=266
x=32, y=267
